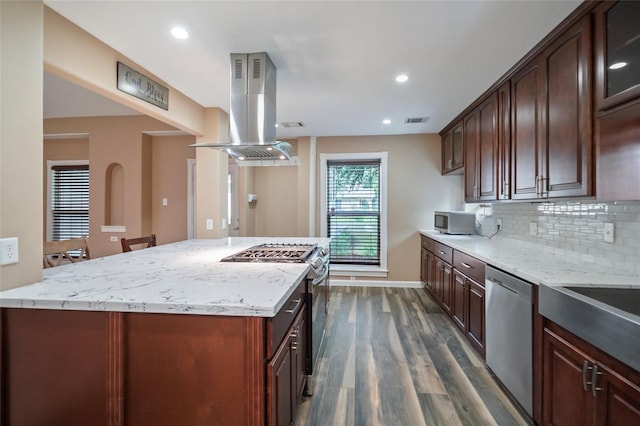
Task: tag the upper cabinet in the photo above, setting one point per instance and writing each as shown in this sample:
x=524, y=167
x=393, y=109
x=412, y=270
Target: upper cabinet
x=452, y=150
x=481, y=151
x=617, y=53
x=552, y=120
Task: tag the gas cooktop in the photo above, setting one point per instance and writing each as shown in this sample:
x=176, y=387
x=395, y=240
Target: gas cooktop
x=273, y=252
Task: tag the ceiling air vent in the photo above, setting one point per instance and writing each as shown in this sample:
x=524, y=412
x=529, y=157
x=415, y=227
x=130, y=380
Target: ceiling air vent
x=256, y=68
x=292, y=124
x=237, y=69
x=415, y=120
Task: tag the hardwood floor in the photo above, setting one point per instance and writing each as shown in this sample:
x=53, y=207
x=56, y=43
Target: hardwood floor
x=393, y=358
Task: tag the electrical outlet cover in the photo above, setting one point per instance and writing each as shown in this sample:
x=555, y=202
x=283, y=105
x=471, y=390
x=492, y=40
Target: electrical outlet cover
x=9, y=251
x=533, y=229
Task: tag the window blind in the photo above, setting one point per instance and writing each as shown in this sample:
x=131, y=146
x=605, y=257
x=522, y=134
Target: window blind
x=70, y=201
x=353, y=211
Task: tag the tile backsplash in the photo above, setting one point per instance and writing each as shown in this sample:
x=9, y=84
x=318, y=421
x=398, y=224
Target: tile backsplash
x=572, y=228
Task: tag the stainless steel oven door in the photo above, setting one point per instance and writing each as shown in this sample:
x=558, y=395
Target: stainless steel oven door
x=318, y=300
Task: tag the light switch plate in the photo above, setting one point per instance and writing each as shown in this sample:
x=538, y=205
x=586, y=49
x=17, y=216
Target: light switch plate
x=533, y=229
x=609, y=233
x=8, y=251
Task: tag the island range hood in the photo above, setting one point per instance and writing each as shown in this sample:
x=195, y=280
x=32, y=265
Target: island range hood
x=252, y=115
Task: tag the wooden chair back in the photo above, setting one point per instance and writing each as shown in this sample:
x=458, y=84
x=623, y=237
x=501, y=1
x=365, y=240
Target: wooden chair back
x=150, y=241
x=57, y=253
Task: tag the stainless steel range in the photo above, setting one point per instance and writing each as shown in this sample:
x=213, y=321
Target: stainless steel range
x=317, y=288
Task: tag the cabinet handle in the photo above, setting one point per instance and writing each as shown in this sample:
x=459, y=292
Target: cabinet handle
x=292, y=310
x=441, y=252
x=585, y=367
x=466, y=265
x=594, y=380
x=543, y=193
x=537, y=186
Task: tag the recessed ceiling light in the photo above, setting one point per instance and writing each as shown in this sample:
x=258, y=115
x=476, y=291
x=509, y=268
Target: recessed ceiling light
x=402, y=78
x=386, y=121
x=179, y=33
x=617, y=65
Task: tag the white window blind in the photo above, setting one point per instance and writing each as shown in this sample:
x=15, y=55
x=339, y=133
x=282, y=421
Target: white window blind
x=69, y=201
x=353, y=211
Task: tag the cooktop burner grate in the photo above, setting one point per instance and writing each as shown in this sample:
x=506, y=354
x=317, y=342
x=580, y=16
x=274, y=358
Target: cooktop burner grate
x=273, y=252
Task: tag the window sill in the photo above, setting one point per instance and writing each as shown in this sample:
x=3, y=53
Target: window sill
x=358, y=271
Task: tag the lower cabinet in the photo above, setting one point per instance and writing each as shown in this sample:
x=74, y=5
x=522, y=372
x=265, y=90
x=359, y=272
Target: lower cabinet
x=468, y=309
x=460, y=295
x=583, y=386
x=286, y=376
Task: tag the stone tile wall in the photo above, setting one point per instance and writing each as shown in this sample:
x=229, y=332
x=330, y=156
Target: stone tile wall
x=572, y=228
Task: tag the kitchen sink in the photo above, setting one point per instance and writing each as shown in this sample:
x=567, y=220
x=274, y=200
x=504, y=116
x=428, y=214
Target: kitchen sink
x=608, y=318
x=626, y=299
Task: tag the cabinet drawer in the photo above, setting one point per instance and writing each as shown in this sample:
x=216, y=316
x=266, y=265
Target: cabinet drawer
x=470, y=266
x=278, y=326
x=428, y=243
x=443, y=252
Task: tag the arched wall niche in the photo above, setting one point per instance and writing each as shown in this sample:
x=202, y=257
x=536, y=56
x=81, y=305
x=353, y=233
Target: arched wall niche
x=114, y=195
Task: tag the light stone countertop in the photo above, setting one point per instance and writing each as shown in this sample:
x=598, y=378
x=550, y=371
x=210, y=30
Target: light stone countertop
x=536, y=263
x=186, y=277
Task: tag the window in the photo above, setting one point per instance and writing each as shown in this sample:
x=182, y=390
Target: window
x=354, y=209
x=68, y=200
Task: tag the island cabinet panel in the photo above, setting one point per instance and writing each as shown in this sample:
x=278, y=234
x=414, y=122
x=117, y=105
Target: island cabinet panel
x=53, y=367
x=193, y=371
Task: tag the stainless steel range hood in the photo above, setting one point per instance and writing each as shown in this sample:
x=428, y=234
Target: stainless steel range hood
x=252, y=116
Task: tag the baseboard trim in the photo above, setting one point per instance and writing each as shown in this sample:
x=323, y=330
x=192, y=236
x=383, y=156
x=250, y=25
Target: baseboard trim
x=376, y=283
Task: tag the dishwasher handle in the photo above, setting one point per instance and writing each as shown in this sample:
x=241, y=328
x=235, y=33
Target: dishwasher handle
x=508, y=282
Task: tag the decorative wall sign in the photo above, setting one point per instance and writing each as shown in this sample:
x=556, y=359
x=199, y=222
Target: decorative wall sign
x=142, y=87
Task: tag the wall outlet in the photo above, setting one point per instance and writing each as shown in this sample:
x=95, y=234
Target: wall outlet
x=165, y=202
x=533, y=229
x=209, y=224
x=609, y=233
x=8, y=250
x=113, y=239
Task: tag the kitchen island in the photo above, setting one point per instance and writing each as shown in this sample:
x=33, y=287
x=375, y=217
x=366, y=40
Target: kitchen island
x=166, y=335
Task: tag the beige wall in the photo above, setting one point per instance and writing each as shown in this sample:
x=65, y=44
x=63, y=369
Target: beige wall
x=415, y=189
x=169, y=171
x=122, y=140
x=21, y=70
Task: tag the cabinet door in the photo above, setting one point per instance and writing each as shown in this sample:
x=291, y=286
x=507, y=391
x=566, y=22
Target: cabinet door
x=459, y=304
x=280, y=392
x=504, y=142
x=476, y=326
x=447, y=282
x=431, y=271
x=424, y=257
x=526, y=131
x=447, y=152
x=471, y=143
x=438, y=281
x=566, y=400
x=618, y=399
x=299, y=355
x=487, y=153
x=568, y=115
x=458, y=146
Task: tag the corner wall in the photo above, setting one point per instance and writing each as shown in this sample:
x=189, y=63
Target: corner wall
x=21, y=204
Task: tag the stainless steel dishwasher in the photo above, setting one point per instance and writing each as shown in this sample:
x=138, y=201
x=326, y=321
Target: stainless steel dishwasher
x=509, y=335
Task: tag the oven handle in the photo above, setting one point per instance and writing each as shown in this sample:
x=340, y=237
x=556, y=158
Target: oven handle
x=322, y=277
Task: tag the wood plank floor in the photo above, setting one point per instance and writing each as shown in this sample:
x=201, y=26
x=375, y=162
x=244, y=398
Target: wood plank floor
x=392, y=357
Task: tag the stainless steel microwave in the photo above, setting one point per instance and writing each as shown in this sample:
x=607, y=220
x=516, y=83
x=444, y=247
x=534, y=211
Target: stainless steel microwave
x=455, y=222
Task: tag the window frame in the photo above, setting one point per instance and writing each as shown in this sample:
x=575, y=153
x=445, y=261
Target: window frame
x=50, y=165
x=357, y=270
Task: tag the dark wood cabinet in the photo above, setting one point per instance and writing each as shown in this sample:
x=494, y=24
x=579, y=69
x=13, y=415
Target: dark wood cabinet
x=468, y=311
x=617, y=53
x=551, y=120
x=457, y=287
x=453, y=150
x=504, y=142
x=286, y=375
x=567, y=115
x=583, y=386
x=481, y=151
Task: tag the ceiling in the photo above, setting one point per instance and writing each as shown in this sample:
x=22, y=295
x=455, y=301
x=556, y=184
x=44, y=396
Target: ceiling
x=336, y=60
